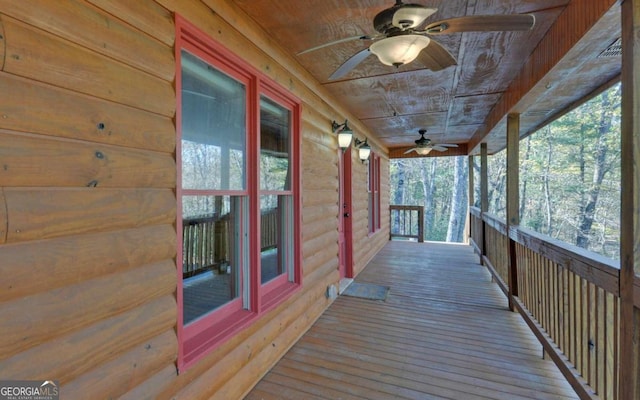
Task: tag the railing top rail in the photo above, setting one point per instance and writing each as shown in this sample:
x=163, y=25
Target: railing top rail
x=405, y=207
x=599, y=261
x=595, y=268
x=200, y=219
x=495, y=222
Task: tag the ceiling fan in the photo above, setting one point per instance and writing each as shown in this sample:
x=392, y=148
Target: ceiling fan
x=403, y=37
x=424, y=146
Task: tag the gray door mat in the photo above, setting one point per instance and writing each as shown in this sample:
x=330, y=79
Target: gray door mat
x=367, y=291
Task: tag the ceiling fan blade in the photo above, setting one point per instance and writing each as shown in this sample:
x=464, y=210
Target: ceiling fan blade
x=437, y=147
x=447, y=145
x=435, y=57
x=410, y=150
x=482, y=23
x=343, y=40
x=350, y=64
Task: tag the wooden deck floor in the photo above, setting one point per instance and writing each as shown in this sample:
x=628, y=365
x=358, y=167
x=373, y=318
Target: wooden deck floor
x=444, y=332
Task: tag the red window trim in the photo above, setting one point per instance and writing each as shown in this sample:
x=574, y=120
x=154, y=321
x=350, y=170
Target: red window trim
x=374, y=192
x=378, y=198
x=210, y=331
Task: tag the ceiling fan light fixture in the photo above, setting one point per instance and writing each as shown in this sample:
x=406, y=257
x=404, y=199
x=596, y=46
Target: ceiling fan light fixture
x=399, y=50
x=423, y=151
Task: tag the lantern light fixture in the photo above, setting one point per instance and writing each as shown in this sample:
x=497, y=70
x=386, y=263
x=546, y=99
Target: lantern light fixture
x=345, y=134
x=364, y=150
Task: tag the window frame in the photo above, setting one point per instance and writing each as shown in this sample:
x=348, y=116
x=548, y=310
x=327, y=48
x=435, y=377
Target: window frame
x=275, y=290
x=208, y=332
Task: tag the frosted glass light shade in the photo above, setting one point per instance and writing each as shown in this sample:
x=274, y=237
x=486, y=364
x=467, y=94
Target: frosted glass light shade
x=364, y=152
x=344, y=138
x=398, y=50
x=423, y=151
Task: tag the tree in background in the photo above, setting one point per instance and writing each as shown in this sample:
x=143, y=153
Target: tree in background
x=497, y=176
x=438, y=184
x=600, y=119
x=570, y=176
x=459, y=201
x=569, y=181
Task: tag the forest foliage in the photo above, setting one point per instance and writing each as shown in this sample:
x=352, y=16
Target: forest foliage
x=569, y=181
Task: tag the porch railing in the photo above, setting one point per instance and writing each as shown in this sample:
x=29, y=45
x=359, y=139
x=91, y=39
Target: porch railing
x=204, y=243
x=407, y=222
x=568, y=296
x=205, y=240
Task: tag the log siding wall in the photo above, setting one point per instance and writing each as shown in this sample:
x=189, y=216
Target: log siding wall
x=87, y=201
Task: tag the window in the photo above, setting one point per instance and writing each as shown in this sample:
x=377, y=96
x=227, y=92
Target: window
x=238, y=194
x=374, y=193
x=277, y=200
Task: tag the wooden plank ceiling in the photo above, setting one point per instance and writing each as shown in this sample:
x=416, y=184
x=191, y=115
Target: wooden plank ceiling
x=453, y=104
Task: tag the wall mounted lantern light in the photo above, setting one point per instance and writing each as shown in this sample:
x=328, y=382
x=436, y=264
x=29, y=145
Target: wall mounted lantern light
x=345, y=134
x=364, y=150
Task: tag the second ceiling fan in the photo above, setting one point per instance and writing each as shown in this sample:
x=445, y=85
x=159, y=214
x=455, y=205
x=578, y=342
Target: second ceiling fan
x=425, y=145
x=403, y=36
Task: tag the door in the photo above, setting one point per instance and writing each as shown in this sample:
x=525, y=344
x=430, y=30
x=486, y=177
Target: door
x=345, y=256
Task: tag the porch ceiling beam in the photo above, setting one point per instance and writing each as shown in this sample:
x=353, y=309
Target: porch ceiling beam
x=574, y=22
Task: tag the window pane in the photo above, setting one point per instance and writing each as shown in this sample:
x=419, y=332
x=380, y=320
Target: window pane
x=274, y=146
x=213, y=128
x=213, y=245
x=276, y=233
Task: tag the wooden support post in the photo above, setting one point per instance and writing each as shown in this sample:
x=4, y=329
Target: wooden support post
x=513, y=199
x=484, y=179
x=421, y=224
x=484, y=194
x=472, y=183
x=471, y=197
x=630, y=203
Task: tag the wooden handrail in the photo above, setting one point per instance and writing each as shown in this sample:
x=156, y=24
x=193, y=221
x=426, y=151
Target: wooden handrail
x=569, y=297
x=595, y=268
x=496, y=223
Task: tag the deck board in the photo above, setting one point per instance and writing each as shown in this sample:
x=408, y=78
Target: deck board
x=444, y=332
